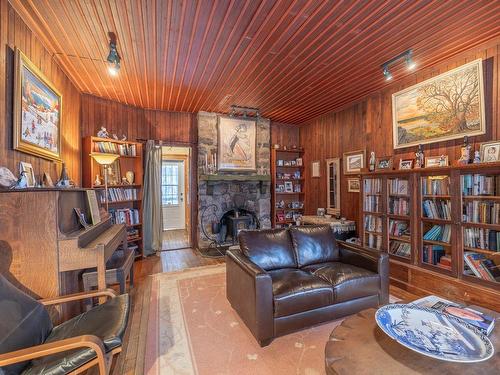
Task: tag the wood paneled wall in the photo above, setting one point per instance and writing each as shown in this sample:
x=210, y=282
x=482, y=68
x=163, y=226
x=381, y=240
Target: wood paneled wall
x=368, y=125
x=284, y=134
x=14, y=33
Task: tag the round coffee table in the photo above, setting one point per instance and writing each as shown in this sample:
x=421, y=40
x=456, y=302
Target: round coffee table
x=358, y=346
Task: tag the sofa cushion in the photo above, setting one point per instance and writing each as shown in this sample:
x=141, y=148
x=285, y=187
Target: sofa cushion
x=314, y=244
x=296, y=291
x=270, y=249
x=107, y=321
x=349, y=282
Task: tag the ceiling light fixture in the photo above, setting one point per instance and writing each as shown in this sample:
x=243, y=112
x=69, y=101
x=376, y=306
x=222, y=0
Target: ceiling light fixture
x=387, y=73
x=410, y=64
x=113, y=58
x=406, y=55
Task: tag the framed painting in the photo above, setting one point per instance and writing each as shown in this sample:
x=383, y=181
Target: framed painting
x=37, y=111
x=237, y=139
x=449, y=106
x=354, y=161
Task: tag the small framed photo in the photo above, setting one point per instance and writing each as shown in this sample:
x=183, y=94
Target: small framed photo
x=299, y=162
x=280, y=163
x=288, y=187
x=353, y=185
x=315, y=169
x=406, y=164
x=81, y=218
x=383, y=163
x=281, y=189
x=490, y=152
x=27, y=168
x=354, y=161
x=436, y=161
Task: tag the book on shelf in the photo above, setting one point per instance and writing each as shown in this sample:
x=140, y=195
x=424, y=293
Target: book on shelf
x=398, y=186
x=478, y=184
x=432, y=254
x=485, y=212
x=128, y=216
x=482, y=267
x=119, y=194
x=372, y=186
x=440, y=233
x=436, y=185
x=373, y=223
x=115, y=148
x=399, y=206
x=374, y=241
x=482, y=238
x=483, y=322
x=372, y=203
x=398, y=228
x=437, y=209
x=402, y=249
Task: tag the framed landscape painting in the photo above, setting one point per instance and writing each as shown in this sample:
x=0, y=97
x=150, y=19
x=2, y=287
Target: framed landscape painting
x=445, y=107
x=37, y=112
x=236, y=144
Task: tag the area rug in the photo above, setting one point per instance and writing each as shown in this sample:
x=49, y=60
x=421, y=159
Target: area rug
x=192, y=329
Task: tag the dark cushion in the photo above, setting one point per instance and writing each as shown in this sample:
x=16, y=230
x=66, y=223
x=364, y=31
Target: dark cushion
x=107, y=321
x=296, y=291
x=349, y=282
x=314, y=244
x=270, y=249
x=24, y=322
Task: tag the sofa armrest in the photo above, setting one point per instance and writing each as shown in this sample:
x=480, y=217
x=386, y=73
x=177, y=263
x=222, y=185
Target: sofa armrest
x=249, y=289
x=375, y=261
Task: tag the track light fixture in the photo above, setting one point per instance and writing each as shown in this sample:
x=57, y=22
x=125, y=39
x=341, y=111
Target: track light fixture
x=113, y=58
x=410, y=63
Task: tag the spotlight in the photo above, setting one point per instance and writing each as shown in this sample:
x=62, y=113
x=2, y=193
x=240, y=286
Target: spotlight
x=410, y=64
x=387, y=73
x=113, y=59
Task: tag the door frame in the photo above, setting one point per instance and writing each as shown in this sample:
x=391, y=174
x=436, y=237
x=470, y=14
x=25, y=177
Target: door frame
x=186, y=182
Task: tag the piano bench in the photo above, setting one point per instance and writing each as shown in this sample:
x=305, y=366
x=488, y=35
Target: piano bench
x=118, y=267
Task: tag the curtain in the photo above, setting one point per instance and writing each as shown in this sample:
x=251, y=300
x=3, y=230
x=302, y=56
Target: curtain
x=151, y=211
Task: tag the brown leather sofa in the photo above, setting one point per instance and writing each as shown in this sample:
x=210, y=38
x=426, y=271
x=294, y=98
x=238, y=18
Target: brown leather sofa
x=283, y=280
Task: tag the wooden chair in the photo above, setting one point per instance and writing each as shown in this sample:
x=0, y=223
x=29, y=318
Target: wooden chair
x=31, y=345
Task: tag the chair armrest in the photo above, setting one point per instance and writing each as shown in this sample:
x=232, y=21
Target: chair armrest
x=84, y=341
x=249, y=290
x=110, y=293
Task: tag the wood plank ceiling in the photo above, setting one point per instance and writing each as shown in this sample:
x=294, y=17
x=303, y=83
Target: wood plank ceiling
x=294, y=60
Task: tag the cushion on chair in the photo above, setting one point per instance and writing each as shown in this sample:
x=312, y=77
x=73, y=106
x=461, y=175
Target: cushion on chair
x=270, y=249
x=314, y=244
x=107, y=321
x=296, y=291
x=24, y=322
x=349, y=282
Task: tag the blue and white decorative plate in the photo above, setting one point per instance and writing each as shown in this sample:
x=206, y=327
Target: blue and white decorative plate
x=434, y=334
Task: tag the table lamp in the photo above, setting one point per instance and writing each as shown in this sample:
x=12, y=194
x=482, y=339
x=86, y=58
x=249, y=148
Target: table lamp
x=105, y=160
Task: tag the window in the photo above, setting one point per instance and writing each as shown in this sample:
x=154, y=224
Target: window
x=170, y=183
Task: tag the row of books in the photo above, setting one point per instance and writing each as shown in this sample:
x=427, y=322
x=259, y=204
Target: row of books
x=437, y=209
x=115, y=148
x=399, y=206
x=477, y=184
x=373, y=223
x=119, y=194
x=481, y=266
x=436, y=185
x=403, y=249
x=440, y=233
x=398, y=186
x=481, y=238
x=398, y=228
x=436, y=255
x=374, y=241
x=481, y=212
x=129, y=216
x=372, y=203
x=372, y=185
x=132, y=234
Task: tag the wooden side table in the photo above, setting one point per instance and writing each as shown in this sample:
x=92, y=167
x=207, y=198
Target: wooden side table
x=358, y=346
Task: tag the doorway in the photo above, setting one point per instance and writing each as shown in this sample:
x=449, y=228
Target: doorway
x=175, y=185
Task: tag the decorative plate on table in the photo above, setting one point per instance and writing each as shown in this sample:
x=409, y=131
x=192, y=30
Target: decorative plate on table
x=434, y=334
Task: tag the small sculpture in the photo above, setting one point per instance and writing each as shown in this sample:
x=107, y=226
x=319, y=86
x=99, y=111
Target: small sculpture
x=442, y=161
x=7, y=178
x=64, y=180
x=477, y=157
x=130, y=175
x=97, y=181
x=47, y=180
x=115, y=136
x=103, y=133
x=124, y=137
x=419, y=157
x=371, y=167
x=22, y=181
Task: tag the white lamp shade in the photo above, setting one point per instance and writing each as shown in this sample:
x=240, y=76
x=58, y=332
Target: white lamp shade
x=103, y=158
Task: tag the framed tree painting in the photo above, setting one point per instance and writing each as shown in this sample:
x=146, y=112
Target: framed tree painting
x=37, y=111
x=449, y=106
x=236, y=144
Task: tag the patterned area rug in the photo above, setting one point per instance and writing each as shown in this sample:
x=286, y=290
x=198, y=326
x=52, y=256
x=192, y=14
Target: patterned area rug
x=192, y=329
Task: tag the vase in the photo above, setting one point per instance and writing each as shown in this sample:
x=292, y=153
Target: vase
x=97, y=181
x=130, y=177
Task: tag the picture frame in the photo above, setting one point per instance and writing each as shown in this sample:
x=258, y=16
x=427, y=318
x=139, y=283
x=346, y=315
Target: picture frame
x=288, y=187
x=315, y=169
x=436, y=161
x=236, y=144
x=421, y=115
x=490, y=152
x=406, y=164
x=81, y=218
x=354, y=161
x=279, y=163
x=353, y=185
x=383, y=163
x=30, y=174
x=37, y=111
x=281, y=188
x=299, y=162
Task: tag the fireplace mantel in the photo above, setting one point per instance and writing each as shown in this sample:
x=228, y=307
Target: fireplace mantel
x=214, y=178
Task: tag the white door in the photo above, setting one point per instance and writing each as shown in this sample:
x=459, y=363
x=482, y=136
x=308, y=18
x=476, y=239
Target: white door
x=172, y=189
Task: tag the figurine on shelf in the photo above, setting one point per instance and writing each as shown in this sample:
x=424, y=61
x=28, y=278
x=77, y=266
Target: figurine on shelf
x=465, y=152
x=124, y=137
x=419, y=157
x=477, y=157
x=103, y=133
x=64, y=180
x=22, y=181
x=97, y=181
x=371, y=167
x=443, y=162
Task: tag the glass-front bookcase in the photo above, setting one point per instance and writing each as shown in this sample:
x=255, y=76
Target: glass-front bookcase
x=373, y=213
x=399, y=226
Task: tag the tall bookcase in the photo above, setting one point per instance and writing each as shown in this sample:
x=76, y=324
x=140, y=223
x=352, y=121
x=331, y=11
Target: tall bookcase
x=125, y=200
x=285, y=205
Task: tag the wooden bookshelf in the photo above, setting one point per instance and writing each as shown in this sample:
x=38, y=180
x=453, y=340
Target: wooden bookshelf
x=130, y=160
x=282, y=174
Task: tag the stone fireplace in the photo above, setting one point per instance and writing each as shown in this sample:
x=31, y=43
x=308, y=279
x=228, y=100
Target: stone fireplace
x=223, y=192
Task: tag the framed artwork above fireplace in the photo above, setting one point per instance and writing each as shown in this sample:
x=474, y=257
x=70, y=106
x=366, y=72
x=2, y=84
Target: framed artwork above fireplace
x=236, y=144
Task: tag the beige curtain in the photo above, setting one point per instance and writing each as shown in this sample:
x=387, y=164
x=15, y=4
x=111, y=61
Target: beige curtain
x=151, y=211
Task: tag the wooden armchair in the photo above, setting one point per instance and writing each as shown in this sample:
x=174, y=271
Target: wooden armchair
x=29, y=344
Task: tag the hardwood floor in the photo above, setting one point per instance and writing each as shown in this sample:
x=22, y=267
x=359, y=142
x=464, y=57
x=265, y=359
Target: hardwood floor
x=175, y=239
